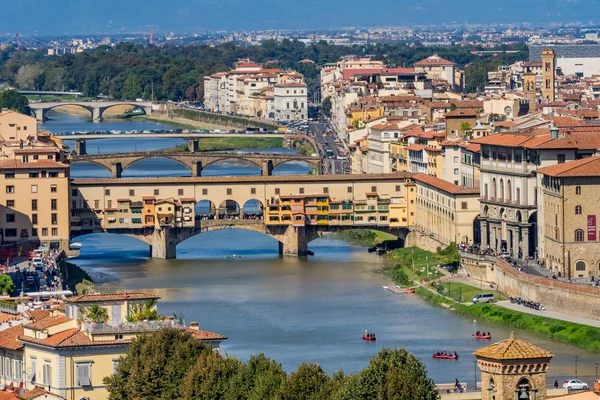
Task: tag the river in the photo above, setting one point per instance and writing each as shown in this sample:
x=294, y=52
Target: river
x=296, y=310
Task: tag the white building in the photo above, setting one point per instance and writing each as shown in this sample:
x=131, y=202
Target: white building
x=436, y=68
x=379, y=147
x=291, y=103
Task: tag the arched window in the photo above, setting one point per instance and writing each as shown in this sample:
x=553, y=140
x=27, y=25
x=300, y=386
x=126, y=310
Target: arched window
x=577, y=189
x=508, y=191
x=494, y=193
x=580, y=266
x=578, y=210
x=579, y=235
x=501, y=190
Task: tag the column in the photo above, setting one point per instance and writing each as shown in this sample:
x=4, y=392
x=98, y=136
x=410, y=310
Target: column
x=525, y=243
x=484, y=234
x=193, y=145
x=509, y=240
x=80, y=147
x=116, y=169
x=197, y=168
x=97, y=114
x=267, y=167
x=493, y=238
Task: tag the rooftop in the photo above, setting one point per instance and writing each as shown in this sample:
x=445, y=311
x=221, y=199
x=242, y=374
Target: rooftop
x=91, y=298
x=512, y=349
x=444, y=185
x=48, y=322
x=9, y=338
x=586, y=167
x=433, y=60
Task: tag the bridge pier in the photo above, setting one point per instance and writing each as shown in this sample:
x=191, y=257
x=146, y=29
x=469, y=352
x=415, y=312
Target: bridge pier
x=116, y=169
x=164, y=243
x=197, y=168
x=267, y=167
x=97, y=114
x=193, y=145
x=80, y=147
x=40, y=114
x=294, y=242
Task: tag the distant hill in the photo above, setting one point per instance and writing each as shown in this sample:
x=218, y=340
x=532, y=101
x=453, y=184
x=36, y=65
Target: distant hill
x=112, y=16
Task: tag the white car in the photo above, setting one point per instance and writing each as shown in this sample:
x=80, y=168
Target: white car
x=575, y=384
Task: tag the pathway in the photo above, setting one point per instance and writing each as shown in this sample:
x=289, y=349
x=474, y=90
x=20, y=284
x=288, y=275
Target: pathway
x=550, y=314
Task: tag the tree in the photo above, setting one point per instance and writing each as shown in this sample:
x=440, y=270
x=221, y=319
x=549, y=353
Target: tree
x=30, y=76
x=452, y=106
x=132, y=88
x=6, y=284
x=326, y=107
x=464, y=126
x=155, y=366
x=309, y=381
x=393, y=374
x=260, y=379
x=190, y=93
x=93, y=313
x=15, y=101
x=143, y=312
x=211, y=377
x=91, y=84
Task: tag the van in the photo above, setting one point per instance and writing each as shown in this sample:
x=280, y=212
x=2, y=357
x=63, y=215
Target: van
x=483, y=298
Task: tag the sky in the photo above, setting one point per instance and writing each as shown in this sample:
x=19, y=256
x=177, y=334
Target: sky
x=53, y=17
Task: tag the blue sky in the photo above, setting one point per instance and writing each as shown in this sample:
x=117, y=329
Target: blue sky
x=91, y=16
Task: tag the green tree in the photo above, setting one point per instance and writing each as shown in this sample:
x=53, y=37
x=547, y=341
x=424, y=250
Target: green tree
x=399, y=276
x=132, y=88
x=6, y=284
x=15, y=101
x=260, y=379
x=326, y=107
x=91, y=84
x=143, y=312
x=308, y=382
x=464, y=126
x=452, y=106
x=155, y=366
x=211, y=377
x=393, y=374
x=93, y=313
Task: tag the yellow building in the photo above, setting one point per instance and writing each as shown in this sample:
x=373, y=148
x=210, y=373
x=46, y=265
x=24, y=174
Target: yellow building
x=358, y=117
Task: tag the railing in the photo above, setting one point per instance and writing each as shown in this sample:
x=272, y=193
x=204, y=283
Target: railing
x=146, y=326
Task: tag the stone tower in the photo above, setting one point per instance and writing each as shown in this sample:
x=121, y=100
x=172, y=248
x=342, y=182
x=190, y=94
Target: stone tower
x=529, y=90
x=513, y=370
x=548, y=68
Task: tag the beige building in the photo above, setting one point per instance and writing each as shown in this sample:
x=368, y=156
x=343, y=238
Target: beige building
x=570, y=206
x=34, y=200
x=445, y=212
x=437, y=69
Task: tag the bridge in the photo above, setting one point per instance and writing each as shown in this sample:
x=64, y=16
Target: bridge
x=195, y=162
x=163, y=135
x=294, y=210
x=96, y=108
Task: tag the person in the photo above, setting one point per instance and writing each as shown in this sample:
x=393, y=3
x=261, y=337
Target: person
x=489, y=334
x=456, y=383
x=477, y=333
x=556, y=384
x=366, y=332
x=373, y=335
x=455, y=355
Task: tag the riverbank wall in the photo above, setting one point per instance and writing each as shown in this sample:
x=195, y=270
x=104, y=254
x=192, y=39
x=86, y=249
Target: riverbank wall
x=219, y=119
x=417, y=238
x=579, y=300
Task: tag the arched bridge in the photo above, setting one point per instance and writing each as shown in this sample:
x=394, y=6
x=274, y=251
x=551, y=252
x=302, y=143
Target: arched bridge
x=195, y=162
x=96, y=108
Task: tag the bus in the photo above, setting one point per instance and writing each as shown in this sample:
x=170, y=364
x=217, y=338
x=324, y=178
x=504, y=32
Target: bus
x=329, y=153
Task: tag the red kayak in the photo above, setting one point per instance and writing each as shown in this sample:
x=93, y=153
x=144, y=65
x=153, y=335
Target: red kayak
x=369, y=339
x=482, y=336
x=445, y=357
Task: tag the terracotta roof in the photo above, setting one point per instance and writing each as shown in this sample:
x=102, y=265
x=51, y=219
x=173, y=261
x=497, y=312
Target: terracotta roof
x=18, y=164
x=48, y=322
x=434, y=60
x=9, y=338
x=124, y=200
x=385, y=126
x=90, y=298
x=512, y=349
x=444, y=185
x=5, y=317
x=565, y=122
x=468, y=104
x=416, y=147
x=36, y=392
x=474, y=147
x=187, y=200
x=585, y=167
x=205, y=335
x=462, y=112
x=290, y=85
x=148, y=197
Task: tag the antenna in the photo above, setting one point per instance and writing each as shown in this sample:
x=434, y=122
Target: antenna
x=150, y=35
x=18, y=42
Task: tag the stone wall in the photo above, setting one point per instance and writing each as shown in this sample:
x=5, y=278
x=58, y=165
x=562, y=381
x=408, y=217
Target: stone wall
x=580, y=300
x=423, y=241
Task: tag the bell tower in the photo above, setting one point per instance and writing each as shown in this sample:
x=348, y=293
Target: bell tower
x=513, y=370
x=529, y=90
x=548, y=71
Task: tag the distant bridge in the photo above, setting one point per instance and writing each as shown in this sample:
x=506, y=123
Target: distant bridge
x=49, y=93
x=195, y=162
x=96, y=108
x=159, y=135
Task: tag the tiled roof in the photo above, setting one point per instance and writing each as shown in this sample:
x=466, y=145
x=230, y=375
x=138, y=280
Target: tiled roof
x=385, y=126
x=433, y=61
x=462, y=112
x=565, y=122
x=48, y=322
x=512, y=349
x=585, y=167
x=444, y=185
x=36, y=392
x=416, y=147
x=9, y=338
x=474, y=147
x=5, y=317
x=349, y=73
x=18, y=164
x=87, y=298
x=205, y=335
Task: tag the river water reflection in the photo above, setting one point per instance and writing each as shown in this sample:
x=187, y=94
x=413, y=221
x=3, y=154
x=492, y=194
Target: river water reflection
x=296, y=310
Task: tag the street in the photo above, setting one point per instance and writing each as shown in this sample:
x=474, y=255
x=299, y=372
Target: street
x=327, y=142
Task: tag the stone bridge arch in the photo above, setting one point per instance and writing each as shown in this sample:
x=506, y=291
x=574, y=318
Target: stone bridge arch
x=40, y=113
x=136, y=106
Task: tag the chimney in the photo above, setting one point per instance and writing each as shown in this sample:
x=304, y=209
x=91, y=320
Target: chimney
x=195, y=326
x=554, y=132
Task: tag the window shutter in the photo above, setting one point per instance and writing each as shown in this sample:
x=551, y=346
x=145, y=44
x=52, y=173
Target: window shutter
x=83, y=373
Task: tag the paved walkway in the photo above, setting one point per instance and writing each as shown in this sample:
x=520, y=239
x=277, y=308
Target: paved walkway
x=550, y=314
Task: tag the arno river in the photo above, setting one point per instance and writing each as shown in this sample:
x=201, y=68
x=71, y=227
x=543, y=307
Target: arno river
x=293, y=310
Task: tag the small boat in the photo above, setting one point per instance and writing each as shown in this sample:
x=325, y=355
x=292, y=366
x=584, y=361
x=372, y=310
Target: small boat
x=482, y=336
x=445, y=357
x=372, y=249
x=410, y=290
x=75, y=244
x=369, y=339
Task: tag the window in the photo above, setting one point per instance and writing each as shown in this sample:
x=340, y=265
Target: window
x=156, y=192
x=18, y=370
x=34, y=219
x=10, y=232
x=580, y=266
x=34, y=174
x=115, y=365
x=455, y=159
x=561, y=158
x=52, y=174
x=34, y=189
x=84, y=374
x=398, y=187
x=229, y=192
x=10, y=189
x=577, y=189
x=54, y=204
x=31, y=376
x=204, y=192
x=252, y=190
x=54, y=231
x=131, y=192
x=119, y=337
x=325, y=190
x=301, y=190
x=54, y=218
x=578, y=210
x=277, y=191
x=44, y=231
x=455, y=171
x=44, y=173
x=349, y=189
x=96, y=204
x=179, y=192
x=463, y=205
x=47, y=373
x=10, y=203
x=10, y=217
x=9, y=175
x=109, y=203
x=579, y=235
x=374, y=189
x=107, y=192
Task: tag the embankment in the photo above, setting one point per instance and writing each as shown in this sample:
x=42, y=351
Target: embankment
x=72, y=274
x=220, y=119
x=233, y=143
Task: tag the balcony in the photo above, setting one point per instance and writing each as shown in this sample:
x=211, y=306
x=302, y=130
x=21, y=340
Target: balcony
x=133, y=327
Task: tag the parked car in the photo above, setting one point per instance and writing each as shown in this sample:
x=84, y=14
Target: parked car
x=483, y=298
x=575, y=384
